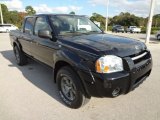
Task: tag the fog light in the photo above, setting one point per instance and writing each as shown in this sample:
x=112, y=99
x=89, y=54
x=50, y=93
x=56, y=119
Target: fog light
x=116, y=92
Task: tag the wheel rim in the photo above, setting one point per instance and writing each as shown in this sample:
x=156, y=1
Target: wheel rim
x=16, y=52
x=68, y=88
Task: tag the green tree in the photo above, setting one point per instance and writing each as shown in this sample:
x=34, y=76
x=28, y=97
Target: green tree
x=72, y=13
x=127, y=19
x=156, y=20
x=30, y=10
x=14, y=18
x=5, y=13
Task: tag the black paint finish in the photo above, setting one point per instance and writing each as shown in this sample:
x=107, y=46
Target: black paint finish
x=82, y=51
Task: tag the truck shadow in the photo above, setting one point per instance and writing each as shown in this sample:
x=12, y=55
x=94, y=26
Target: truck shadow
x=39, y=75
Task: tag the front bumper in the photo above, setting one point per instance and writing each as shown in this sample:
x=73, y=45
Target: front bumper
x=103, y=85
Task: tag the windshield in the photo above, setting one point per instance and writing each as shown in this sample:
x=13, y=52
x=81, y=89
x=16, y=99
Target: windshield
x=69, y=25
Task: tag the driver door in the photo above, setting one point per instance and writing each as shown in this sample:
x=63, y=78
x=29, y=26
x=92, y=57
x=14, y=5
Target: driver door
x=42, y=47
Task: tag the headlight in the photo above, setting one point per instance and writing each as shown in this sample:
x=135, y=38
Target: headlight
x=109, y=64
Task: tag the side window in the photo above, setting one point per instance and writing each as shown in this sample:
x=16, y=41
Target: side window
x=41, y=24
x=29, y=25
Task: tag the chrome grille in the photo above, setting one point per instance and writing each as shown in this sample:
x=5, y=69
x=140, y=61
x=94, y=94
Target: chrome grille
x=140, y=57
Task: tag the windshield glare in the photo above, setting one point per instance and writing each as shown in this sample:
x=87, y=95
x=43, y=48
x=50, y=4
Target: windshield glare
x=66, y=25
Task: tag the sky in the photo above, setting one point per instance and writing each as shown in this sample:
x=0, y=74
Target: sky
x=85, y=7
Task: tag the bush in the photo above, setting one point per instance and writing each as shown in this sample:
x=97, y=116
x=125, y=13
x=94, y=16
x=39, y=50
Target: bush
x=109, y=28
x=153, y=30
x=143, y=29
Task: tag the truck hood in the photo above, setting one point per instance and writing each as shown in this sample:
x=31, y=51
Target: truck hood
x=101, y=44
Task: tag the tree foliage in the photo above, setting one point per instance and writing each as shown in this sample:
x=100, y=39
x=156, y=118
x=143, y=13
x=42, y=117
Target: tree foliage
x=15, y=17
x=156, y=20
x=5, y=13
x=29, y=10
x=127, y=19
x=72, y=13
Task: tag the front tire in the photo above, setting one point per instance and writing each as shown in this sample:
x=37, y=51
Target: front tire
x=70, y=88
x=21, y=59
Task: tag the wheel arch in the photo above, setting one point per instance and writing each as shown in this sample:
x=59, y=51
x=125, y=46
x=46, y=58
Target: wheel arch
x=58, y=65
x=62, y=63
x=17, y=43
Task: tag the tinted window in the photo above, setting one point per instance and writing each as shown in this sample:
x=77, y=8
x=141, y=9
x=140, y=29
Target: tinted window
x=69, y=25
x=41, y=24
x=29, y=25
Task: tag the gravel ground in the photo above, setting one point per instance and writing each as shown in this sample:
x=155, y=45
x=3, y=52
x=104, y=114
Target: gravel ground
x=28, y=93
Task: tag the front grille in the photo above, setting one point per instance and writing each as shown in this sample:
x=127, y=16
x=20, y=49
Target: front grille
x=140, y=57
x=138, y=69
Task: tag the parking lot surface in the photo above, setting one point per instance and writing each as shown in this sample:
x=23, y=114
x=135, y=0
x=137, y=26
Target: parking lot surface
x=29, y=93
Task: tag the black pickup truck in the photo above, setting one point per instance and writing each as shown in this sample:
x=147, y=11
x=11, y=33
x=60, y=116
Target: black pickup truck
x=86, y=62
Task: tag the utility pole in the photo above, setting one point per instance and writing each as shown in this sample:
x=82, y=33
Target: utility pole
x=107, y=16
x=1, y=14
x=149, y=26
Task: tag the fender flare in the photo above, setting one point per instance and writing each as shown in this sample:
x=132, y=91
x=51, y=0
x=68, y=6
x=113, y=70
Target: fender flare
x=75, y=61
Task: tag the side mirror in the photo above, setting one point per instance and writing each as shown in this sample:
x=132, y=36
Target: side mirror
x=44, y=34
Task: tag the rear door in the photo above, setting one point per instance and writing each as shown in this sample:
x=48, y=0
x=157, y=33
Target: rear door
x=26, y=38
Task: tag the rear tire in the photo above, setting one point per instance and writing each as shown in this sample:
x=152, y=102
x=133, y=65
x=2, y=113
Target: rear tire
x=70, y=88
x=21, y=59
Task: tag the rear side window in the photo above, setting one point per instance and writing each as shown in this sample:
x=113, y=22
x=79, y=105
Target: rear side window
x=29, y=25
x=41, y=24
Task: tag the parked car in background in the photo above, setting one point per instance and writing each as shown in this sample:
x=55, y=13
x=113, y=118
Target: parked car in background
x=7, y=27
x=133, y=29
x=118, y=28
x=158, y=35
